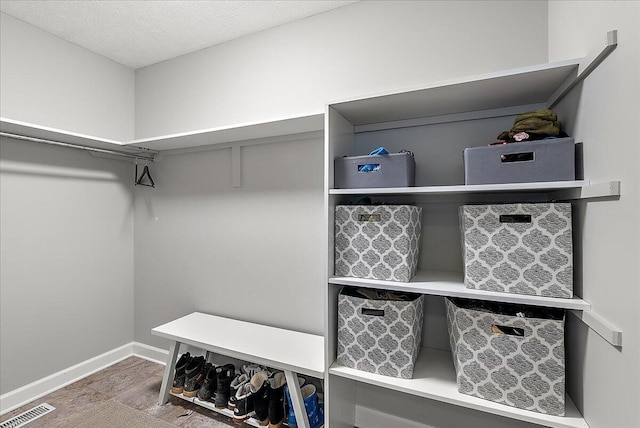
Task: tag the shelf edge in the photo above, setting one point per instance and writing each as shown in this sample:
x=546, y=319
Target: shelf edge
x=445, y=289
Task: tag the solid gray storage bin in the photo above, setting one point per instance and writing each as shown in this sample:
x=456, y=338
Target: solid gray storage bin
x=524, y=162
x=379, y=331
x=509, y=354
x=377, y=241
x=518, y=248
x=392, y=170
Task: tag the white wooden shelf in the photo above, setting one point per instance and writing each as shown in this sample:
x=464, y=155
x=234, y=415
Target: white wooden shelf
x=211, y=136
x=47, y=133
x=451, y=284
x=581, y=189
x=522, y=86
x=463, y=188
x=235, y=133
x=434, y=378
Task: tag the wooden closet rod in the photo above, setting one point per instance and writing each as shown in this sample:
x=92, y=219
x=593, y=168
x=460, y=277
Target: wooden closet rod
x=145, y=155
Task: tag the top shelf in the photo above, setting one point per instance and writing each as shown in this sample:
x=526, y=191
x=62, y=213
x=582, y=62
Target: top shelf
x=521, y=86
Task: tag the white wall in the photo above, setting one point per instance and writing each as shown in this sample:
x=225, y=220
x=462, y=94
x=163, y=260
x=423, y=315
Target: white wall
x=48, y=81
x=205, y=249
x=252, y=253
x=606, y=378
x=66, y=259
x=359, y=49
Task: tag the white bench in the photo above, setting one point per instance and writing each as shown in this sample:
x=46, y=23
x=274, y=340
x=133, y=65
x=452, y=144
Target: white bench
x=287, y=350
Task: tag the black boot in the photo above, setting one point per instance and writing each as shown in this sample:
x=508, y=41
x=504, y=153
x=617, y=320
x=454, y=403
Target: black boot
x=260, y=388
x=208, y=389
x=194, y=376
x=178, y=379
x=224, y=376
x=276, y=400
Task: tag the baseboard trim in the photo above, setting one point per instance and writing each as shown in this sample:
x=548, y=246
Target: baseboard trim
x=150, y=353
x=25, y=394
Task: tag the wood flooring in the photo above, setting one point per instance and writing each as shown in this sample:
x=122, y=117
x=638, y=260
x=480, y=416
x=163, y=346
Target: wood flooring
x=134, y=382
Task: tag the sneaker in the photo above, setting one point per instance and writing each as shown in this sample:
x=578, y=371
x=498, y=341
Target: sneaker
x=260, y=387
x=236, y=383
x=194, y=376
x=224, y=377
x=276, y=400
x=208, y=390
x=178, y=379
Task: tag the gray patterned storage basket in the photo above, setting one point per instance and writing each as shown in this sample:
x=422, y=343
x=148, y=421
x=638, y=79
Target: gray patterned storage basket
x=379, y=331
x=377, y=241
x=518, y=248
x=509, y=354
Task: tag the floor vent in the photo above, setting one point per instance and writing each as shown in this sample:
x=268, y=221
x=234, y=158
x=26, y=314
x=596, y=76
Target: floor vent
x=24, y=418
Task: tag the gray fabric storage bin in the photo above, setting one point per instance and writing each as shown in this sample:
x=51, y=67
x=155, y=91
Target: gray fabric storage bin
x=379, y=331
x=377, y=241
x=509, y=354
x=518, y=248
x=394, y=170
x=528, y=161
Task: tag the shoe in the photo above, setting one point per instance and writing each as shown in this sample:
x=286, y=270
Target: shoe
x=194, y=376
x=224, y=377
x=208, y=390
x=244, y=404
x=236, y=383
x=260, y=387
x=276, y=400
x=251, y=369
x=252, y=398
x=291, y=415
x=178, y=379
x=315, y=412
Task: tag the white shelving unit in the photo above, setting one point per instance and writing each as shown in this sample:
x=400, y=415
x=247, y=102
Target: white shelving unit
x=417, y=119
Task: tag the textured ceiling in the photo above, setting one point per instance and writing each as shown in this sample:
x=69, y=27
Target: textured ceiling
x=140, y=33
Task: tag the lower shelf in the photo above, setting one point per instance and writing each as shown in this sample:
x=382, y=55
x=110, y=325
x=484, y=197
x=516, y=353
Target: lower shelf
x=434, y=378
x=229, y=413
x=211, y=406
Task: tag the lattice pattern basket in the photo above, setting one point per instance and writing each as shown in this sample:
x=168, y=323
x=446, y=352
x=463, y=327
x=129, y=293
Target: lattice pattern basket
x=519, y=248
x=509, y=354
x=377, y=241
x=379, y=331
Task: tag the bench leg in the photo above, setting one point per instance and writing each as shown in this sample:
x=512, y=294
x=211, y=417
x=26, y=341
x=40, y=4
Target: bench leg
x=169, y=372
x=296, y=399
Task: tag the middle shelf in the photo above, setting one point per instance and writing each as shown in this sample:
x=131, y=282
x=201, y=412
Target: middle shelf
x=451, y=284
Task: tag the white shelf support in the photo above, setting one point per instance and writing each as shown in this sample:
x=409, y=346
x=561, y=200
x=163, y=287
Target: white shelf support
x=169, y=373
x=605, y=329
x=587, y=65
x=302, y=419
